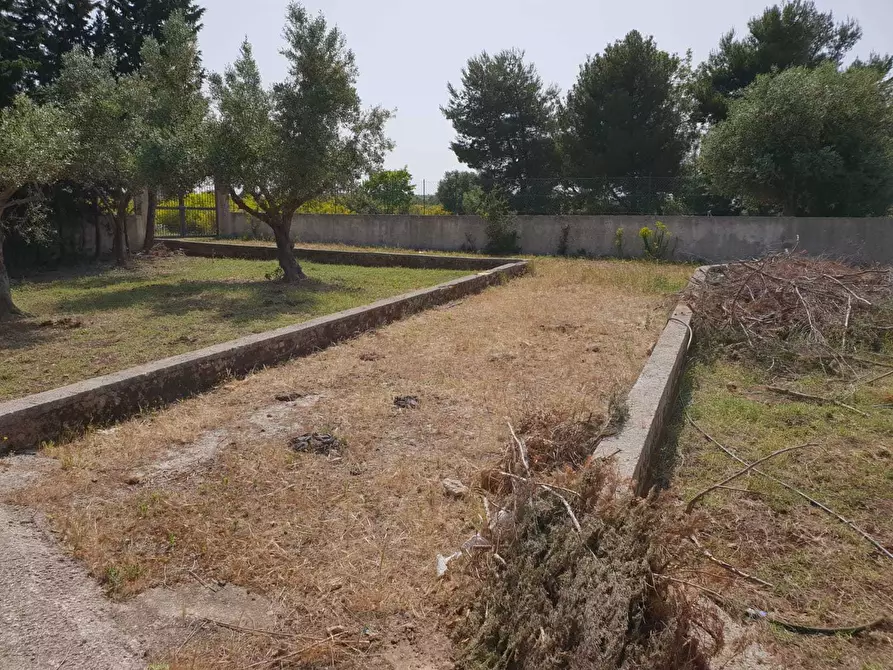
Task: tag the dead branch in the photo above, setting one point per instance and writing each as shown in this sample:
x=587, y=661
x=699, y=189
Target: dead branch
x=743, y=471
x=878, y=378
x=813, y=630
x=792, y=489
x=816, y=398
x=728, y=566
x=522, y=449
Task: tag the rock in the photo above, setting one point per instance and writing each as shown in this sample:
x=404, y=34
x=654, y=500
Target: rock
x=454, y=488
x=406, y=401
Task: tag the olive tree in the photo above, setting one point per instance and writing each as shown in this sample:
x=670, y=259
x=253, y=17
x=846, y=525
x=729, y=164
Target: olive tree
x=107, y=115
x=807, y=142
x=36, y=146
x=305, y=137
x=172, y=150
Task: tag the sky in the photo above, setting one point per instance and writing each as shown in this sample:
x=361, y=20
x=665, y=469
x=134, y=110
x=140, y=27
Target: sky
x=408, y=50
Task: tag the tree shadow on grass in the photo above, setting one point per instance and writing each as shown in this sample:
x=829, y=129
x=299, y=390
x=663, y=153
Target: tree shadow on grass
x=234, y=301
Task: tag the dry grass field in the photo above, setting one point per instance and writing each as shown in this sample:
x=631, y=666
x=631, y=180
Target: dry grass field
x=342, y=545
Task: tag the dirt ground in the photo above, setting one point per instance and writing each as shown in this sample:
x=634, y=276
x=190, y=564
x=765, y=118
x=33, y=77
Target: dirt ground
x=208, y=496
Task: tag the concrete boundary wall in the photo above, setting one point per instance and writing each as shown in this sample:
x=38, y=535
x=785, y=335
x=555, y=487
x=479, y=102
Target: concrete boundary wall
x=212, y=249
x=650, y=401
x=701, y=238
x=27, y=422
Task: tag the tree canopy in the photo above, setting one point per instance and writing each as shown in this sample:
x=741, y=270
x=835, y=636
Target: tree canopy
x=307, y=136
x=123, y=25
x=793, y=34
x=814, y=142
x=36, y=147
x=505, y=120
x=626, y=119
x=452, y=189
x=388, y=192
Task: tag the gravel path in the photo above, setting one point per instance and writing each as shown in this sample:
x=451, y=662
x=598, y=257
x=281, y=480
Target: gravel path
x=52, y=614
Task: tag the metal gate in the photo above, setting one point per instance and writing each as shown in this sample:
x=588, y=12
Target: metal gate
x=190, y=215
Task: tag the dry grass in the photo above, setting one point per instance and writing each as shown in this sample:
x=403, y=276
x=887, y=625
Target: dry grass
x=99, y=319
x=352, y=542
x=823, y=574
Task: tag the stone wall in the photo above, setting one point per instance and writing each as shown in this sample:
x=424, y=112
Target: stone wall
x=699, y=238
x=29, y=421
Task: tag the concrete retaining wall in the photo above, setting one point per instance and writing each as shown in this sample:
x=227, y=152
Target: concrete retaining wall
x=211, y=249
x=29, y=421
x=650, y=401
x=702, y=238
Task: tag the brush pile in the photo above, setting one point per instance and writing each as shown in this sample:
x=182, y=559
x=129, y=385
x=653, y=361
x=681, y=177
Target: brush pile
x=795, y=304
x=576, y=575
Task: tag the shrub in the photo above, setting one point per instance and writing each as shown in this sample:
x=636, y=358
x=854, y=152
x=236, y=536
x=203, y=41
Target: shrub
x=657, y=242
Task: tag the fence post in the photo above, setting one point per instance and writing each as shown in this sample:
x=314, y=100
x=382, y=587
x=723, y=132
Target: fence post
x=181, y=204
x=221, y=206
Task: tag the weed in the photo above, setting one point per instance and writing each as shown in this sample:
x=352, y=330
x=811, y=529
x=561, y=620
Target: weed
x=657, y=242
x=564, y=240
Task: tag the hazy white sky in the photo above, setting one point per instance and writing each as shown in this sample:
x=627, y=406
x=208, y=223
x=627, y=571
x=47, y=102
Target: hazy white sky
x=408, y=50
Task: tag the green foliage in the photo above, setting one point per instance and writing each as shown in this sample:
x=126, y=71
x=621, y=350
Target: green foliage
x=387, y=192
x=123, y=25
x=505, y=123
x=36, y=146
x=173, y=147
x=627, y=117
x=793, y=34
x=305, y=137
x=452, y=189
x=814, y=142
x=658, y=244
x=502, y=238
x=618, y=242
x=103, y=111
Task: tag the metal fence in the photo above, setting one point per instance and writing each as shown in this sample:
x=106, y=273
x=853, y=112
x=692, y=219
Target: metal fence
x=187, y=215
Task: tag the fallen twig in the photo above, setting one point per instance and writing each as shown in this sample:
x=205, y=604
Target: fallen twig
x=744, y=471
x=814, y=630
x=253, y=631
x=522, y=449
x=793, y=489
x=878, y=378
x=728, y=566
x=817, y=398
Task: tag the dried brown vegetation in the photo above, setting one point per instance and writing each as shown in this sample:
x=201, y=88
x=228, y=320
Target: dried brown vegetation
x=579, y=574
x=345, y=547
x=791, y=306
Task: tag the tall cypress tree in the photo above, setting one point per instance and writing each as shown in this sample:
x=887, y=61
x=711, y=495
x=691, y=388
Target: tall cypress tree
x=123, y=25
x=71, y=26
x=31, y=21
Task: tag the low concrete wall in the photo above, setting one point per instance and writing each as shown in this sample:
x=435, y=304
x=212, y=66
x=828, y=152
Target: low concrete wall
x=337, y=257
x=701, y=238
x=650, y=401
x=29, y=421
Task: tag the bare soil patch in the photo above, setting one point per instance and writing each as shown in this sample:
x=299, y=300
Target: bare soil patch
x=344, y=547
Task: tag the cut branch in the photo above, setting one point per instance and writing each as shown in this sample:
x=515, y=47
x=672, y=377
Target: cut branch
x=792, y=489
x=743, y=471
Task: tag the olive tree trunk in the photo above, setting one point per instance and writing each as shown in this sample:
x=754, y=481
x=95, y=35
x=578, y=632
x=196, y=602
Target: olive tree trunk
x=7, y=306
x=119, y=241
x=285, y=252
x=151, y=209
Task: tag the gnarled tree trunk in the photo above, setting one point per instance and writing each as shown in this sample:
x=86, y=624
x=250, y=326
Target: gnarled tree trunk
x=285, y=252
x=119, y=242
x=7, y=306
x=151, y=209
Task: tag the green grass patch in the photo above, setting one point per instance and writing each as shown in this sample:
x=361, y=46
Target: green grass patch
x=823, y=573
x=103, y=319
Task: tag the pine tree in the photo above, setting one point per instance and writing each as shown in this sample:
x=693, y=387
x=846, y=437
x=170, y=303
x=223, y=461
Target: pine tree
x=123, y=25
